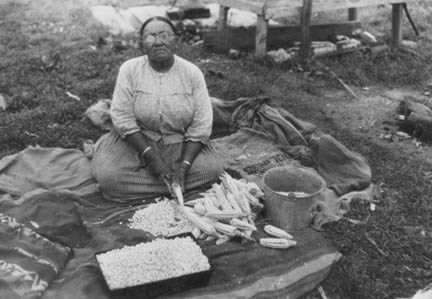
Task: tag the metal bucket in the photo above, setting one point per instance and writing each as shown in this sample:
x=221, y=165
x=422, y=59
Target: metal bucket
x=290, y=192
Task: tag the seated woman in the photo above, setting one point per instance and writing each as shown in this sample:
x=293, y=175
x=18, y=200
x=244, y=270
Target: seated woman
x=162, y=115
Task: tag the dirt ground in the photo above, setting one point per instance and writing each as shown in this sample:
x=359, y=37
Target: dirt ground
x=47, y=50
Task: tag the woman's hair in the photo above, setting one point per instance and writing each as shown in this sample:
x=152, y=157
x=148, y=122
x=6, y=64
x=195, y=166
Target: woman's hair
x=155, y=18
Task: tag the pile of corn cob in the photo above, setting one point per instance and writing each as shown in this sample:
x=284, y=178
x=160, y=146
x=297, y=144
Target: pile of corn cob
x=225, y=211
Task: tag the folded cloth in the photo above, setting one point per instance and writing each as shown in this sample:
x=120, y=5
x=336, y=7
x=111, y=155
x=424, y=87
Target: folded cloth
x=54, y=215
x=28, y=261
x=344, y=170
x=46, y=168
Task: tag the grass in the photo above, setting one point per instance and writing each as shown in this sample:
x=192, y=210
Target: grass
x=41, y=113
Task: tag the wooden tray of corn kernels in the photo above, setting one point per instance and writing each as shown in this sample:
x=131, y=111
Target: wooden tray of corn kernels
x=159, y=267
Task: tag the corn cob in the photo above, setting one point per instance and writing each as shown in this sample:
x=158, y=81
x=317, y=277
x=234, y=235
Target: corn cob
x=219, y=194
x=277, y=243
x=254, y=190
x=228, y=184
x=191, y=203
x=226, y=203
x=216, y=201
x=252, y=200
x=277, y=232
x=209, y=206
x=222, y=239
x=245, y=235
x=244, y=225
x=198, y=221
x=241, y=202
x=233, y=203
x=210, y=238
x=200, y=209
x=224, y=215
x=196, y=232
x=225, y=229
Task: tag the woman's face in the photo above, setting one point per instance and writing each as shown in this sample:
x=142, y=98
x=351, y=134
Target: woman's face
x=158, y=41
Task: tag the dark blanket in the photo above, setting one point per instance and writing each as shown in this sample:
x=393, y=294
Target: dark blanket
x=239, y=270
x=266, y=136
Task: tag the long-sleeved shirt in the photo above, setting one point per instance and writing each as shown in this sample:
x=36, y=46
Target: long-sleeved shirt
x=171, y=106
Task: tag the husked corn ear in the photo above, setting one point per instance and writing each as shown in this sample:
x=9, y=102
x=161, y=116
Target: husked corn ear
x=210, y=238
x=277, y=243
x=233, y=203
x=277, y=232
x=222, y=239
x=221, y=215
x=199, y=221
x=219, y=193
x=200, y=209
x=208, y=205
x=191, y=203
x=244, y=225
x=247, y=234
x=254, y=190
x=225, y=203
x=225, y=229
x=196, y=232
x=253, y=200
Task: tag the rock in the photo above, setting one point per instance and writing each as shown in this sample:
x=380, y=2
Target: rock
x=50, y=61
x=366, y=37
x=234, y=54
x=409, y=44
x=403, y=135
x=280, y=55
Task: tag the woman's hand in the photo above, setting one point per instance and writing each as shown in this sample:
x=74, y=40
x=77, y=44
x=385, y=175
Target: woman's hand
x=181, y=174
x=157, y=166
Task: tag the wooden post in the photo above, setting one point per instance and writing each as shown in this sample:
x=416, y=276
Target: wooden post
x=352, y=14
x=223, y=17
x=396, y=25
x=305, y=20
x=223, y=27
x=261, y=36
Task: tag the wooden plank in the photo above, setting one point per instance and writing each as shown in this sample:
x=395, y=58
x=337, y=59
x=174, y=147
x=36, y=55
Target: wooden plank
x=282, y=8
x=223, y=17
x=396, y=25
x=261, y=37
x=352, y=14
x=255, y=6
x=305, y=20
x=332, y=4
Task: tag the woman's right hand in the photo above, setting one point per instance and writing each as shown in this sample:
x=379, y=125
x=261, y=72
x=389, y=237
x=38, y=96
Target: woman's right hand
x=157, y=166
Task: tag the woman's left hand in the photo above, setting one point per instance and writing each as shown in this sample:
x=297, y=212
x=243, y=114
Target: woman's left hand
x=181, y=174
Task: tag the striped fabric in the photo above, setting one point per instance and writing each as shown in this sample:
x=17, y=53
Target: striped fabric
x=123, y=178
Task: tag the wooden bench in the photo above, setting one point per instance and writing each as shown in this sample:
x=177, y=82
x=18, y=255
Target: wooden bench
x=273, y=9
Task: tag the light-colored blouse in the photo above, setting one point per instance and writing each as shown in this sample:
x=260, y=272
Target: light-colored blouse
x=171, y=106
